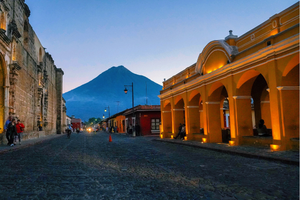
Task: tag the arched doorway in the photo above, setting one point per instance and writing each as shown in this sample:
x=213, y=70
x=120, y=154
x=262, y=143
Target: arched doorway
x=253, y=104
x=217, y=114
x=178, y=114
x=195, y=113
x=167, y=119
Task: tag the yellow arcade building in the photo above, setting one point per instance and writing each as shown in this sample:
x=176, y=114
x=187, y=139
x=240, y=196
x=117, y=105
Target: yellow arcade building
x=235, y=83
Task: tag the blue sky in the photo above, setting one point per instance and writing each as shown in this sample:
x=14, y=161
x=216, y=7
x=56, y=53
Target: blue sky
x=154, y=38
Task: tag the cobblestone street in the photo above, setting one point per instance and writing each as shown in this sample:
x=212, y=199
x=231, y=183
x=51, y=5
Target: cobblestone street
x=87, y=166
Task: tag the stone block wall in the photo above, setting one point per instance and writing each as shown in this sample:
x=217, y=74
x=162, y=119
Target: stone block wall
x=31, y=84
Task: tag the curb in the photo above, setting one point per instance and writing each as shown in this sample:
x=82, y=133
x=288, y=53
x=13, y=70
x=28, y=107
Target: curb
x=30, y=144
x=244, y=154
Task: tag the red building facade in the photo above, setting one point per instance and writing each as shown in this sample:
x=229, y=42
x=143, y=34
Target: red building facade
x=147, y=117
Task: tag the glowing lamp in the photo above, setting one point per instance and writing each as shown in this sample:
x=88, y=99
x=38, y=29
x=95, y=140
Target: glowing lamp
x=125, y=90
x=185, y=138
x=172, y=136
x=161, y=136
x=275, y=147
x=204, y=140
x=231, y=143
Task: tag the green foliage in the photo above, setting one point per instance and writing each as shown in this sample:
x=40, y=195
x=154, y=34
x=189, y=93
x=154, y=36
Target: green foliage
x=93, y=121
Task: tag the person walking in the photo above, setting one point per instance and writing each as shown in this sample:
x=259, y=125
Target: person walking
x=179, y=131
x=12, y=130
x=5, y=129
x=20, y=128
x=183, y=134
x=138, y=130
x=69, y=131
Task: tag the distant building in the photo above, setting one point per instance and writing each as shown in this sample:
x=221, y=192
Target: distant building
x=257, y=73
x=144, y=116
x=68, y=120
x=30, y=83
x=76, y=124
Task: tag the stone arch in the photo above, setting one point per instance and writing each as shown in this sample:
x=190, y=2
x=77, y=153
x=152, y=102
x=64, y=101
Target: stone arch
x=260, y=95
x=217, y=114
x=178, y=112
x=216, y=90
x=195, y=113
x=166, y=118
x=252, y=90
x=209, y=49
x=291, y=65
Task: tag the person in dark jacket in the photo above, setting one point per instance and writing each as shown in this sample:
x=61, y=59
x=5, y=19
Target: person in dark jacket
x=12, y=130
x=138, y=130
x=6, y=129
x=179, y=131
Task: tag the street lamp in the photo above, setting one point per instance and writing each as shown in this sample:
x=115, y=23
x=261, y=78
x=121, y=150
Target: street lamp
x=107, y=108
x=133, y=114
x=103, y=116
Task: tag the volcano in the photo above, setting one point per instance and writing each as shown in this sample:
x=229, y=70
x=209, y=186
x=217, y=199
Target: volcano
x=107, y=90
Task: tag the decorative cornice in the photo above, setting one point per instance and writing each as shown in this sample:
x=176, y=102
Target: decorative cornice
x=213, y=102
x=288, y=87
x=178, y=109
x=242, y=97
x=192, y=106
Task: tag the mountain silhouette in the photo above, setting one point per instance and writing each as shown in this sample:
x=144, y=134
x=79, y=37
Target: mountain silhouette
x=107, y=89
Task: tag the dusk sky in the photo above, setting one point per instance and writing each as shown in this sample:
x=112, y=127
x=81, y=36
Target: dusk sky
x=154, y=38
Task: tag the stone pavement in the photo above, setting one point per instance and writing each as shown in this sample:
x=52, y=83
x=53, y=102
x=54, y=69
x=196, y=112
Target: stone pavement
x=29, y=142
x=289, y=157
x=87, y=166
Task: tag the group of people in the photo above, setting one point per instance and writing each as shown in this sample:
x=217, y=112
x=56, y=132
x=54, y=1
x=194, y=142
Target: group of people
x=181, y=131
x=13, y=130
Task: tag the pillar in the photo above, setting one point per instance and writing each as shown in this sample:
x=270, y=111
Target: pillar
x=243, y=118
x=214, y=122
x=289, y=106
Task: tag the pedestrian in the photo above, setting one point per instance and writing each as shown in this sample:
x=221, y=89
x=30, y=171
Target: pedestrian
x=137, y=129
x=262, y=129
x=20, y=128
x=116, y=129
x=69, y=131
x=11, y=128
x=183, y=134
x=179, y=131
x=5, y=128
x=106, y=129
x=130, y=129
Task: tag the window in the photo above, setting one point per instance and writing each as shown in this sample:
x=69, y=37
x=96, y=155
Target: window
x=155, y=124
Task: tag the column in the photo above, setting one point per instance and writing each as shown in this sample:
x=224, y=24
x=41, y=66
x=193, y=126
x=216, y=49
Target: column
x=243, y=118
x=214, y=122
x=289, y=106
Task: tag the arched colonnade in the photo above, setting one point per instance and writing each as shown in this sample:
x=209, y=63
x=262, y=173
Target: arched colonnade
x=233, y=105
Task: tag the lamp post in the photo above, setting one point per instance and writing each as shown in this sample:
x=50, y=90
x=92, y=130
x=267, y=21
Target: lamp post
x=133, y=114
x=107, y=109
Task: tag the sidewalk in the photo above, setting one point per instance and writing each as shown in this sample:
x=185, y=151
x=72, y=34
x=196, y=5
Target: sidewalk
x=29, y=142
x=288, y=157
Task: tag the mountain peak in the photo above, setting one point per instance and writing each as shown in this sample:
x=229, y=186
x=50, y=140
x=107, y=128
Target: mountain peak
x=106, y=89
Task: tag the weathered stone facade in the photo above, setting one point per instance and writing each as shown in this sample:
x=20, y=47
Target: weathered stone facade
x=30, y=83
